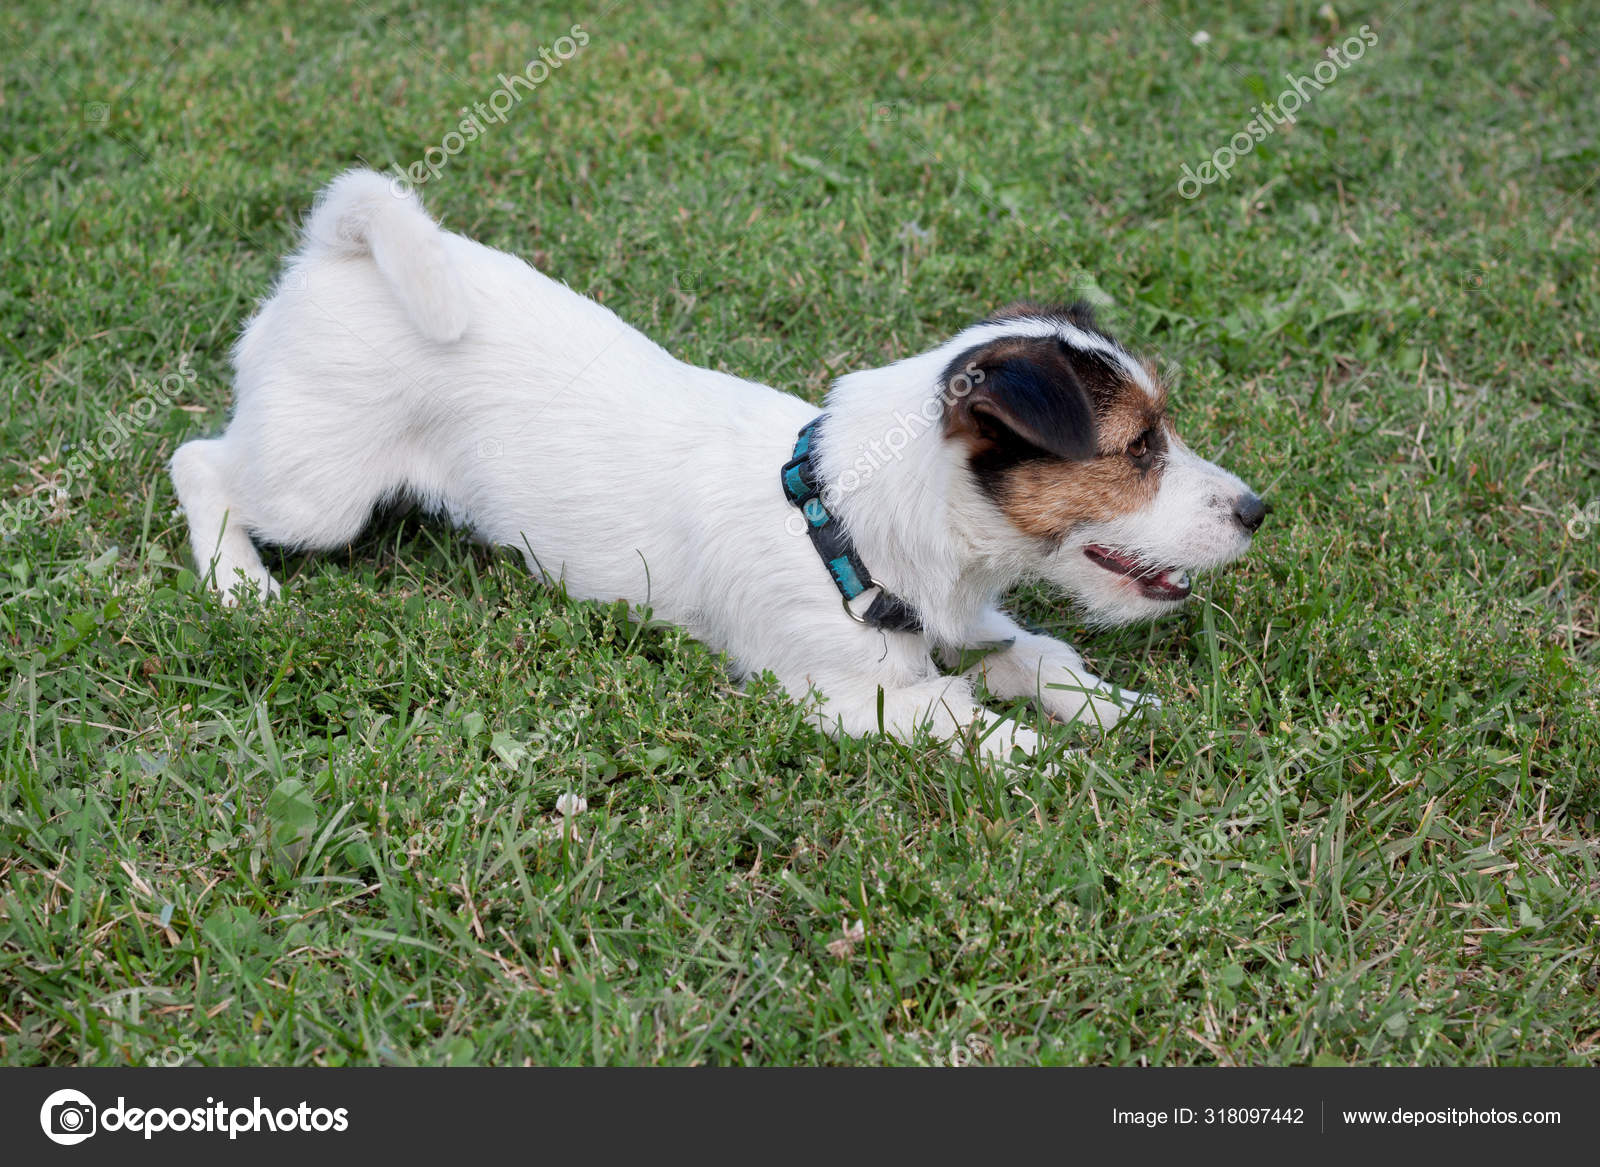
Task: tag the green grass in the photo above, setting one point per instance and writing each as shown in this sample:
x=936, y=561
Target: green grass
x=325, y=832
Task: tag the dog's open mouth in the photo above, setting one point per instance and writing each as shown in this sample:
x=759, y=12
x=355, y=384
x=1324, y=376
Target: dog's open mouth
x=1167, y=583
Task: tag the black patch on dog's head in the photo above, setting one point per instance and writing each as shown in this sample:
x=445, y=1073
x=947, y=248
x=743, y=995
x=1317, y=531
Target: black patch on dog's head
x=1018, y=398
x=1055, y=433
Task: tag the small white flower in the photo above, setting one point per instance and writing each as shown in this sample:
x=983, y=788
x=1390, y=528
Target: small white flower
x=1200, y=38
x=571, y=805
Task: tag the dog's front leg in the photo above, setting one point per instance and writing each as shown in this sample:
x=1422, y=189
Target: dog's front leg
x=942, y=706
x=1025, y=664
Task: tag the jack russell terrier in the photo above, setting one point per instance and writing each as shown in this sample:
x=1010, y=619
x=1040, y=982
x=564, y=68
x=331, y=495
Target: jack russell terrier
x=842, y=549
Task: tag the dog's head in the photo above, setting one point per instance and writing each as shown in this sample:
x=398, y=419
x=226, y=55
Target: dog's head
x=1069, y=436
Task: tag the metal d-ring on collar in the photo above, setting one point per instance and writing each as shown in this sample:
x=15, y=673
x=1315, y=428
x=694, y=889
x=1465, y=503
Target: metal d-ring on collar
x=802, y=487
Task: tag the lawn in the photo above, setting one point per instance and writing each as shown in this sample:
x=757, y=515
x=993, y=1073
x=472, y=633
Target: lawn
x=1363, y=828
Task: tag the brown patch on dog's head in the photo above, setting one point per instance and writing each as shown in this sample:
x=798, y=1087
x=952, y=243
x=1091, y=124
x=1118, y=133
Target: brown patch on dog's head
x=1056, y=434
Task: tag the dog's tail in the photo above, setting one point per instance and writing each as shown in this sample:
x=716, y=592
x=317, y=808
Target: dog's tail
x=363, y=213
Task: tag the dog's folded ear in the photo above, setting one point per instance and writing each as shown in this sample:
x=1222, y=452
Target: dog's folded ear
x=1018, y=398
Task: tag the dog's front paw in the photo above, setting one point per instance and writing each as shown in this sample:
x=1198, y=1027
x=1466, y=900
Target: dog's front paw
x=1134, y=701
x=999, y=737
x=1100, y=707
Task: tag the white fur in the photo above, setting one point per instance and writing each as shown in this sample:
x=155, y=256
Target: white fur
x=396, y=358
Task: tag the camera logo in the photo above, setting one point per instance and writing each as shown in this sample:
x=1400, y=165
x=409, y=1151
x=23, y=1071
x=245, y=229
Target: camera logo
x=68, y=1117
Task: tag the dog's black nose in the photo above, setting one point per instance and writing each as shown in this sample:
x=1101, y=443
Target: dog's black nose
x=1249, y=510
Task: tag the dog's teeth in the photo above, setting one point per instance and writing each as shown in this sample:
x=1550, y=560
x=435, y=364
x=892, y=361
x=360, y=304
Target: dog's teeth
x=1179, y=578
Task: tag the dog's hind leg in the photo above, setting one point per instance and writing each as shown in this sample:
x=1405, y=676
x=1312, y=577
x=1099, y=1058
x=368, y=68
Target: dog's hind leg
x=219, y=532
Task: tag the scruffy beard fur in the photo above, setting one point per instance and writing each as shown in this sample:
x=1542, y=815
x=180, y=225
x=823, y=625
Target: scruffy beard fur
x=398, y=359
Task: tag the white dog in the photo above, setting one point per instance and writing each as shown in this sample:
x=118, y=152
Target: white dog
x=396, y=359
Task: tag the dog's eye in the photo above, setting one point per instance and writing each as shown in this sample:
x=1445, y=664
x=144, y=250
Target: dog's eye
x=1139, y=447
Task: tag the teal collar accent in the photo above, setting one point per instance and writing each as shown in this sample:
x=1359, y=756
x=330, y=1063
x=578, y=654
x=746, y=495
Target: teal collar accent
x=801, y=485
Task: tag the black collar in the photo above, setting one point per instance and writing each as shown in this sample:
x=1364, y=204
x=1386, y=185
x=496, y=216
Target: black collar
x=833, y=543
